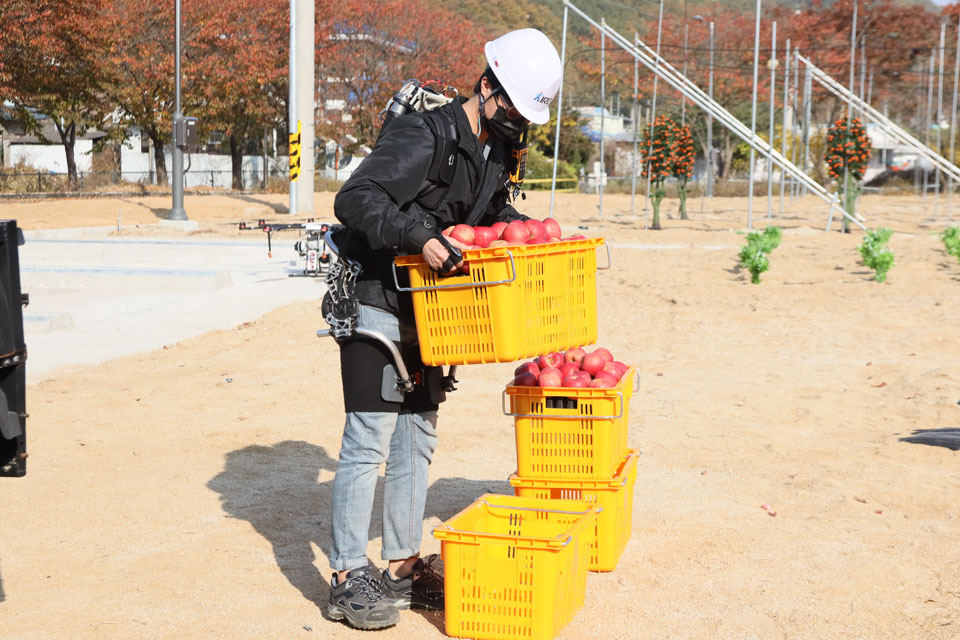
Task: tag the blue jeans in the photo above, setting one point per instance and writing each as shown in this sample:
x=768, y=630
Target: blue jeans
x=406, y=443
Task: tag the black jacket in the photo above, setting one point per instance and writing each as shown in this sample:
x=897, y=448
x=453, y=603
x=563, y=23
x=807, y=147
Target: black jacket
x=389, y=207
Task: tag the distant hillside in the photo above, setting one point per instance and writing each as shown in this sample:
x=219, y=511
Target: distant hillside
x=500, y=16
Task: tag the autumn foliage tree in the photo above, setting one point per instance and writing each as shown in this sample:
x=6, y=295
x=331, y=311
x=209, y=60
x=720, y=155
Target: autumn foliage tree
x=366, y=50
x=847, y=155
x=49, y=65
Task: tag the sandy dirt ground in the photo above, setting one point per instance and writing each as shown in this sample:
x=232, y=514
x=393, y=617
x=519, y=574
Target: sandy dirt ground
x=185, y=492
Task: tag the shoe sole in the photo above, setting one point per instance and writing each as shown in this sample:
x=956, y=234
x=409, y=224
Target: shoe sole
x=337, y=614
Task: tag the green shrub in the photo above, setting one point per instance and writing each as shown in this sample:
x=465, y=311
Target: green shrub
x=951, y=240
x=875, y=253
x=755, y=255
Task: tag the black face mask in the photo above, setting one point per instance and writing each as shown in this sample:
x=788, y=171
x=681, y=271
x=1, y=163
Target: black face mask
x=503, y=128
x=500, y=127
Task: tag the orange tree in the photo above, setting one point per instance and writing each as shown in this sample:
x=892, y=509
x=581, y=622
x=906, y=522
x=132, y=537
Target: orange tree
x=847, y=155
x=681, y=162
x=657, y=150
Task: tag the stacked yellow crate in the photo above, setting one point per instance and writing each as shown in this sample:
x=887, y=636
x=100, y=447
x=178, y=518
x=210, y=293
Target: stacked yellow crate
x=572, y=445
x=515, y=566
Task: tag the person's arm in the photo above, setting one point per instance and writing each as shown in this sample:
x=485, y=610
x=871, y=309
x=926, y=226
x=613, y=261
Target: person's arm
x=500, y=209
x=387, y=180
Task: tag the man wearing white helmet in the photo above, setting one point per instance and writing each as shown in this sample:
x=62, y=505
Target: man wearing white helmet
x=428, y=171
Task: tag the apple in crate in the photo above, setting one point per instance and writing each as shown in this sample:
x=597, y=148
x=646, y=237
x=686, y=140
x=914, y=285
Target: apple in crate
x=527, y=367
x=525, y=379
x=550, y=377
x=516, y=233
x=569, y=369
x=536, y=229
x=576, y=380
x=483, y=236
x=605, y=353
x=464, y=233
x=552, y=228
x=550, y=360
x=574, y=355
x=498, y=228
x=593, y=363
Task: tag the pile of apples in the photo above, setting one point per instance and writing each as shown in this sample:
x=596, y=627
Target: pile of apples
x=503, y=234
x=572, y=368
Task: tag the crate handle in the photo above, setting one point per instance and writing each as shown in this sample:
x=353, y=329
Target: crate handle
x=513, y=271
x=609, y=258
x=503, y=405
x=571, y=513
x=503, y=536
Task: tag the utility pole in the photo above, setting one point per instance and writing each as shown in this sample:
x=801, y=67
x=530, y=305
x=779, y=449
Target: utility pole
x=773, y=106
x=302, y=95
x=556, y=140
x=653, y=113
x=953, y=115
x=710, y=124
x=936, y=180
x=177, y=212
x=683, y=97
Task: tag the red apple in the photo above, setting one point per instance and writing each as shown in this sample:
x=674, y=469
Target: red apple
x=536, y=229
x=527, y=367
x=484, y=236
x=574, y=355
x=498, y=227
x=598, y=383
x=579, y=236
x=552, y=227
x=447, y=231
x=569, y=368
x=605, y=353
x=612, y=369
x=550, y=377
x=464, y=233
x=608, y=379
x=586, y=377
x=498, y=243
x=516, y=233
x=575, y=381
x=550, y=360
x=622, y=368
x=525, y=379
x=592, y=363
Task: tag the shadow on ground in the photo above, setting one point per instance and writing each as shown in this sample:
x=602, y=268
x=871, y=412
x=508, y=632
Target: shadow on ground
x=276, y=489
x=949, y=438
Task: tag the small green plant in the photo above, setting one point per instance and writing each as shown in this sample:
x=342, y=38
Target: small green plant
x=876, y=254
x=951, y=240
x=755, y=255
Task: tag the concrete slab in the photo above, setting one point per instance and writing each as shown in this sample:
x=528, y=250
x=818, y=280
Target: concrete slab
x=95, y=297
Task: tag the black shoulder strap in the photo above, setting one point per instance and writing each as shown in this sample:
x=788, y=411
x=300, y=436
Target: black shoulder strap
x=444, y=162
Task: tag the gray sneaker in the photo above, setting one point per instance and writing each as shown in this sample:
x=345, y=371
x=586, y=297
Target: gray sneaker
x=422, y=589
x=360, y=599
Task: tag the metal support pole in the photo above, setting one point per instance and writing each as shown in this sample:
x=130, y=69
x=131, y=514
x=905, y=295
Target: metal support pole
x=853, y=89
x=936, y=179
x=683, y=98
x=773, y=106
x=794, y=117
x=603, y=100
x=916, y=164
x=953, y=113
x=556, y=139
x=710, y=124
x=653, y=112
x=306, y=97
x=177, y=211
x=807, y=106
x=753, y=114
x=786, y=108
x=636, y=123
x=929, y=117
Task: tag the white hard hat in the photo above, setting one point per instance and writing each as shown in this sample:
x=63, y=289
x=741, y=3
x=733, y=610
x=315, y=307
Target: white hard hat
x=528, y=67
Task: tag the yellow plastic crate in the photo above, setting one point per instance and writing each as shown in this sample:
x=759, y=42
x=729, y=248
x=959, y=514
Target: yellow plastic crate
x=571, y=433
x=515, y=567
x=614, y=524
x=515, y=303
